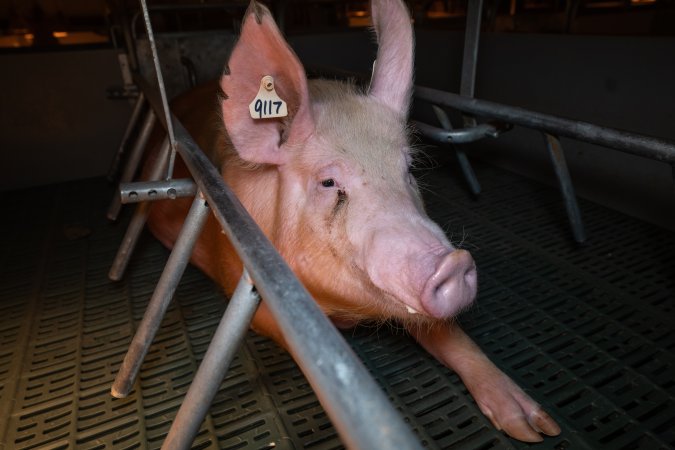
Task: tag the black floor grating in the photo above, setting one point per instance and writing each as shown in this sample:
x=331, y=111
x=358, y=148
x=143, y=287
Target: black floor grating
x=586, y=330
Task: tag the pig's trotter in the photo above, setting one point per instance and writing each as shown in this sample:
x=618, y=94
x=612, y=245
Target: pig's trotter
x=498, y=397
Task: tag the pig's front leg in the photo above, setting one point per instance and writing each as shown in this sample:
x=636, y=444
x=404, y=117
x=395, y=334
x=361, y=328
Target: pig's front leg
x=498, y=397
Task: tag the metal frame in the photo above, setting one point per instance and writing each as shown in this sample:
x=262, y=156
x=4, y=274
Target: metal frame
x=358, y=408
x=360, y=411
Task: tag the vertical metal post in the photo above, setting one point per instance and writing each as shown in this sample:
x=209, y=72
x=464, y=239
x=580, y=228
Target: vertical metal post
x=566, y=188
x=161, y=297
x=135, y=114
x=467, y=86
x=137, y=221
x=464, y=164
x=226, y=340
x=470, y=56
x=133, y=161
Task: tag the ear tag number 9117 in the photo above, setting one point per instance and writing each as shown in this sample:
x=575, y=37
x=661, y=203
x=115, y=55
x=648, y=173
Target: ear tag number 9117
x=267, y=104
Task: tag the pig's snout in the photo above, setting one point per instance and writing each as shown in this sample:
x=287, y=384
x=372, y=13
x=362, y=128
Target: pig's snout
x=452, y=287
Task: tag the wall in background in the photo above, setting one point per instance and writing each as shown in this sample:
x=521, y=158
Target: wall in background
x=56, y=123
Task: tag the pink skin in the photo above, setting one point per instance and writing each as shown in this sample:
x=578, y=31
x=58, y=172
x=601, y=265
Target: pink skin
x=330, y=186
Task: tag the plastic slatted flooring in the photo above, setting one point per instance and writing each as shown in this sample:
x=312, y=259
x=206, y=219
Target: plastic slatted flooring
x=588, y=331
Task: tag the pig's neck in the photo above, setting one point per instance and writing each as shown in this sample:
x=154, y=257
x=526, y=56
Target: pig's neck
x=257, y=188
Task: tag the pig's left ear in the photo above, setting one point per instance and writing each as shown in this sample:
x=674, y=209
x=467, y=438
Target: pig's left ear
x=261, y=51
x=392, y=79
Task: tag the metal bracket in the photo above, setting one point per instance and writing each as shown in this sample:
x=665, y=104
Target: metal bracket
x=157, y=190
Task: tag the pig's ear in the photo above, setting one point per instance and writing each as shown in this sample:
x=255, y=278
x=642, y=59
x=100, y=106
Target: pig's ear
x=260, y=51
x=393, y=72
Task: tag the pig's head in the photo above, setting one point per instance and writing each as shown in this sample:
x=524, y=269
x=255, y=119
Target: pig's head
x=330, y=184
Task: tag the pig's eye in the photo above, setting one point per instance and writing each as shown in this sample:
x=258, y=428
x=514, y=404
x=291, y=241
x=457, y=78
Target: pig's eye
x=328, y=183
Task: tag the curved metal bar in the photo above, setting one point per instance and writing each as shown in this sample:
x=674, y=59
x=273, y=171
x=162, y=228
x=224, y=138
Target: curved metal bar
x=457, y=136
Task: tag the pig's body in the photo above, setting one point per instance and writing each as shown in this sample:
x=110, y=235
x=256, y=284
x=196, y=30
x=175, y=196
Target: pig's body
x=330, y=186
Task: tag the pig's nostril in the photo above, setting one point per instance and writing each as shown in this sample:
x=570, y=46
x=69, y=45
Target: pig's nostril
x=453, y=285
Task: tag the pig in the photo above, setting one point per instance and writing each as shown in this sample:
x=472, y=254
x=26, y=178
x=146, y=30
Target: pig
x=330, y=186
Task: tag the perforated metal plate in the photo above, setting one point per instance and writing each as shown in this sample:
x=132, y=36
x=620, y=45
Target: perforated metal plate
x=586, y=330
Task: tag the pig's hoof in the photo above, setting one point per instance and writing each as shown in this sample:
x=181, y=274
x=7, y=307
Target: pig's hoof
x=513, y=411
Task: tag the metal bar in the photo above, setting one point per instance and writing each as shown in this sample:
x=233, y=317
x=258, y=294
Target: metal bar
x=566, y=188
x=633, y=143
x=461, y=136
x=135, y=114
x=162, y=90
x=470, y=55
x=161, y=297
x=133, y=161
x=464, y=164
x=224, y=344
x=157, y=190
x=137, y=221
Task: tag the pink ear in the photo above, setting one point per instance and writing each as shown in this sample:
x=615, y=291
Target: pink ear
x=260, y=51
x=393, y=73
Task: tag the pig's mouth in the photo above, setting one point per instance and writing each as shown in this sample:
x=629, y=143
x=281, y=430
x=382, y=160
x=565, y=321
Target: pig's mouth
x=448, y=291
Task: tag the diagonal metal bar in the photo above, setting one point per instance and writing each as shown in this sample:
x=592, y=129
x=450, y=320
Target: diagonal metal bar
x=135, y=115
x=162, y=90
x=161, y=297
x=464, y=164
x=566, y=187
x=137, y=221
x=133, y=161
x=224, y=344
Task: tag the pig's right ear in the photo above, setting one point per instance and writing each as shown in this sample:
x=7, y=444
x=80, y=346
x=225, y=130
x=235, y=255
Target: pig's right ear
x=260, y=51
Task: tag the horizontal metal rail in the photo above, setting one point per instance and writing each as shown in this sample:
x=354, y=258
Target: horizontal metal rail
x=358, y=408
x=634, y=143
x=625, y=141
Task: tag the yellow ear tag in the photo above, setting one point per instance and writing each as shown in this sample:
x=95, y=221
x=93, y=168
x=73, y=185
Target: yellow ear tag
x=267, y=104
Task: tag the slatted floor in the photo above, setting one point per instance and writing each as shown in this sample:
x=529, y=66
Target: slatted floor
x=588, y=331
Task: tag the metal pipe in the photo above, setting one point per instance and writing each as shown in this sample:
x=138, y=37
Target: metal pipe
x=133, y=161
x=135, y=114
x=566, y=188
x=636, y=144
x=464, y=164
x=470, y=55
x=161, y=297
x=461, y=136
x=222, y=349
x=137, y=221
x=162, y=90
x=157, y=190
